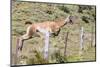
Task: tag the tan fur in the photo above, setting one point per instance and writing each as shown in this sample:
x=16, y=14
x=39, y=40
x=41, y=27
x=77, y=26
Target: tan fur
x=48, y=25
x=51, y=26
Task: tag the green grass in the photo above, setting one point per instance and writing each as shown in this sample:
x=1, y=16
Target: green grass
x=32, y=52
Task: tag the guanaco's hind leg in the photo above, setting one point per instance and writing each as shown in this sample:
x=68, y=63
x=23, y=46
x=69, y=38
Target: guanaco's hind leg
x=26, y=36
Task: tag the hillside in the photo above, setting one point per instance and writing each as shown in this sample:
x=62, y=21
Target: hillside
x=32, y=52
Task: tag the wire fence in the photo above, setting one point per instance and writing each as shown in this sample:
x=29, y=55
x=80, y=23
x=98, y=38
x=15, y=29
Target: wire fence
x=75, y=44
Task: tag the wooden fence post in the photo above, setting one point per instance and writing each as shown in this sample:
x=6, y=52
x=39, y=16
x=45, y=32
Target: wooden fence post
x=81, y=42
x=17, y=50
x=46, y=46
x=81, y=38
x=66, y=39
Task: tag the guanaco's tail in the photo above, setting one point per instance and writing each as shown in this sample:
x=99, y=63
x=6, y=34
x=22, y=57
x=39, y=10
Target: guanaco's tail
x=28, y=22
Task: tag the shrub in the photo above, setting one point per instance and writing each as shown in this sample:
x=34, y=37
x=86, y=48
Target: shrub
x=64, y=8
x=85, y=19
x=59, y=58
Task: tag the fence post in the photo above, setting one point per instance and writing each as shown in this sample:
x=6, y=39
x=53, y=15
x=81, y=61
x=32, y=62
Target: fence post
x=81, y=38
x=81, y=42
x=17, y=50
x=46, y=46
x=66, y=39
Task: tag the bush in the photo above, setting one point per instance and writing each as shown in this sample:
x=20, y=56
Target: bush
x=37, y=59
x=58, y=57
x=85, y=19
x=64, y=8
x=82, y=7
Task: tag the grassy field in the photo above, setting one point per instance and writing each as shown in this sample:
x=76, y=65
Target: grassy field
x=32, y=52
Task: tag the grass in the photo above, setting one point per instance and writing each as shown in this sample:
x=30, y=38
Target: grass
x=32, y=52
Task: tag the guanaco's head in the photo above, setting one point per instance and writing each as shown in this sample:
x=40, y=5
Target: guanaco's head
x=70, y=19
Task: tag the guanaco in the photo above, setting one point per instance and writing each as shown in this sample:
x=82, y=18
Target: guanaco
x=51, y=26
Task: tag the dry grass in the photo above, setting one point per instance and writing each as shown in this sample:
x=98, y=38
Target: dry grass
x=32, y=52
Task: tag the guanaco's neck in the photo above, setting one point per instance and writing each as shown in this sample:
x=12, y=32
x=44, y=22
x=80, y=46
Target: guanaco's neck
x=64, y=22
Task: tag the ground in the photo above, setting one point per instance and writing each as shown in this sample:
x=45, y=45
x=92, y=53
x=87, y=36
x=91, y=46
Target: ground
x=32, y=52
